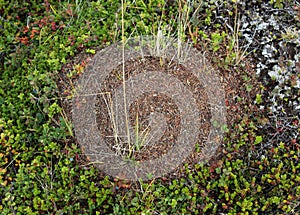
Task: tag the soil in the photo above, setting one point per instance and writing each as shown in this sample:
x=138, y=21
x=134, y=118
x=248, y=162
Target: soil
x=151, y=102
x=154, y=102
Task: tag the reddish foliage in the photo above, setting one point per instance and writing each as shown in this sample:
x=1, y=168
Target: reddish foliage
x=24, y=40
x=53, y=26
x=25, y=30
x=33, y=31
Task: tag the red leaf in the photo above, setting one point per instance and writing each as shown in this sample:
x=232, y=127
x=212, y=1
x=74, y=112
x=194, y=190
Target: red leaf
x=33, y=33
x=53, y=26
x=24, y=40
x=25, y=30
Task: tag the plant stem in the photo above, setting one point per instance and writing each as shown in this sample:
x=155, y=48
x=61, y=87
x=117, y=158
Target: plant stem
x=123, y=74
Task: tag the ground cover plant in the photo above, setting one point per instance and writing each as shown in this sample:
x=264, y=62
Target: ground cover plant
x=45, y=47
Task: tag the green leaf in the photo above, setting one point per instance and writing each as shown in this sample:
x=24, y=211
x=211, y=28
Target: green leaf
x=173, y=203
x=258, y=140
x=258, y=99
